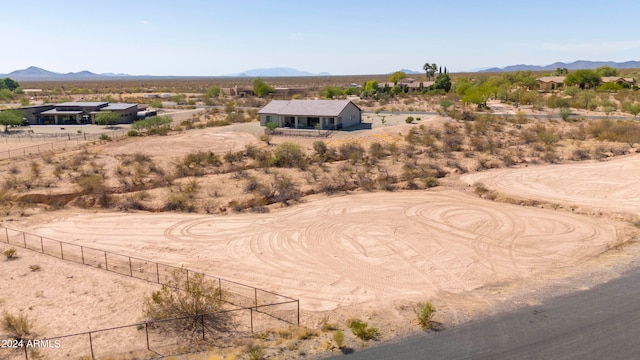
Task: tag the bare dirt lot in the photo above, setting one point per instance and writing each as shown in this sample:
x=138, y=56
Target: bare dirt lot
x=609, y=186
x=357, y=249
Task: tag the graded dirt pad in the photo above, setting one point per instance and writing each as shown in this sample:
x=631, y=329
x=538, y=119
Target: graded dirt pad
x=353, y=250
x=610, y=186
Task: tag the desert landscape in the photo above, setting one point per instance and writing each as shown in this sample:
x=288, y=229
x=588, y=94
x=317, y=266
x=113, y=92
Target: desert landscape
x=474, y=212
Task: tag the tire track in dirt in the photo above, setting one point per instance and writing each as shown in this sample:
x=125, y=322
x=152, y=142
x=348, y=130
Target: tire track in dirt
x=366, y=247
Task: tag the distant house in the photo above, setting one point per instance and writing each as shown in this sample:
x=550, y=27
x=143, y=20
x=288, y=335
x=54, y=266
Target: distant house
x=409, y=84
x=626, y=82
x=311, y=114
x=77, y=112
x=548, y=83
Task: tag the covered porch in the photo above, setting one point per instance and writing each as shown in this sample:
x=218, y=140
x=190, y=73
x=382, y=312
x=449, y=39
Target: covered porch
x=311, y=122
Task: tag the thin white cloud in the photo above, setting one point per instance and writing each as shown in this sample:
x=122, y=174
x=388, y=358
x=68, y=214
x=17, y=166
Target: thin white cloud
x=145, y=22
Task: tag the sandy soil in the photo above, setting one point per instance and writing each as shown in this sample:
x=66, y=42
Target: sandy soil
x=351, y=250
x=610, y=186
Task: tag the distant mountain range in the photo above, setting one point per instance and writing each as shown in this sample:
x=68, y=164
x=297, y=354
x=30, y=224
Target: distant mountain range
x=576, y=65
x=34, y=73
x=276, y=72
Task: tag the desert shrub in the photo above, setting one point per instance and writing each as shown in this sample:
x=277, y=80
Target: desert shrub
x=180, y=202
x=351, y=151
x=283, y=190
x=387, y=182
x=233, y=156
x=424, y=313
x=256, y=353
x=105, y=137
x=17, y=326
x=580, y=154
x=10, y=253
x=289, y=154
x=202, y=158
x=35, y=267
x=338, y=337
x=188, y=297
x=132, y=133
x=362, y=330
x=430, y=181
x=376, y=150
x=91, y=184
x=409, y=119
x=564, y=113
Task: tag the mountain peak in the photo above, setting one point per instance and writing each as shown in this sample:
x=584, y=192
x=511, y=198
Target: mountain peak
x=275, y=72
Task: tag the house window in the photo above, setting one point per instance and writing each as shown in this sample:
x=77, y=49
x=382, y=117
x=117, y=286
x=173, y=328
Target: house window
x=269, y=117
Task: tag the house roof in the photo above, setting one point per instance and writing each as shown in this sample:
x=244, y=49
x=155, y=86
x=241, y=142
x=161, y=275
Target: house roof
x=555, y=79
x=607, y=79
x=59, y=112
x=83, y=103
x=306, y=107
x=119, y=106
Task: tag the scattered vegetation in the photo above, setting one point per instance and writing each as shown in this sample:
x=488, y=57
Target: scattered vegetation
x=10, y=253
x=19, y=327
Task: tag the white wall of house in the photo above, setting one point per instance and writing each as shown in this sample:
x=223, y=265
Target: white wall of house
x=350, y=116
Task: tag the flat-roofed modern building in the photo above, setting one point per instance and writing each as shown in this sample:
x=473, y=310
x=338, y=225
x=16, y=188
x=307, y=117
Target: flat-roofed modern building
x=78, y=112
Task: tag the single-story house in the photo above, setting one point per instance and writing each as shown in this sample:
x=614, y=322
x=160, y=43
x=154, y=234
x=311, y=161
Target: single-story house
x=77, y=112
x=311, y=114
x=549, y=83
x=618, y=80
x=409, y=84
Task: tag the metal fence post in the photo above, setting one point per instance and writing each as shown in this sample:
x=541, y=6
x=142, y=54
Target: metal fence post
x=41, y=245
x=158, y=272
x=61, y=252
x=6, y=233
x=146, y=330
x=298, y=301
x=26, y=355
x=251, y=315
x=82, y=254
x=220, y=287
x=91, y=346
x=106, y=264
x=255, y=291
x=130, y=267
x=24, y=239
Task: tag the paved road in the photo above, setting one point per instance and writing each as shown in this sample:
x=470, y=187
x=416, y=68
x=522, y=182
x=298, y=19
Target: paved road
x=600, y=323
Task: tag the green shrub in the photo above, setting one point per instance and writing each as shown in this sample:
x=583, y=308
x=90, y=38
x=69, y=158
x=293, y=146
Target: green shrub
x=409, y=119
x=289, y=154
x=105, y=137
x=362, y=330
x=132, y=133
x=338, y=337
x=424, y=314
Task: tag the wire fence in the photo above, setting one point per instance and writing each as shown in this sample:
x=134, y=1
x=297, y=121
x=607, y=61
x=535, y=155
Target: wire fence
x=51, y=142
x=300, y=132
x=247, y=308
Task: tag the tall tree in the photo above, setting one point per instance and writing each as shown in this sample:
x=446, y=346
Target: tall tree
x=585, y=78
x=607, y=71
x=398, y=75
x=261, y=88
x=9, y=84
x=443, y=82
x=10, y=118
x=107, y=118
x=429, y=70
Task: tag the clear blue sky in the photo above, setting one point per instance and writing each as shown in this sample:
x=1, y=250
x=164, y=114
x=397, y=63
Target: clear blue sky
x=211, y=37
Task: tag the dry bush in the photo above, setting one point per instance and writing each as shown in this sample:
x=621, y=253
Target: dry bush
x=180, y=202
x=196, y=299
x=351, y=151
x=19, y=327
x=10, y=253
x=289, y=155
x=424, y=314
